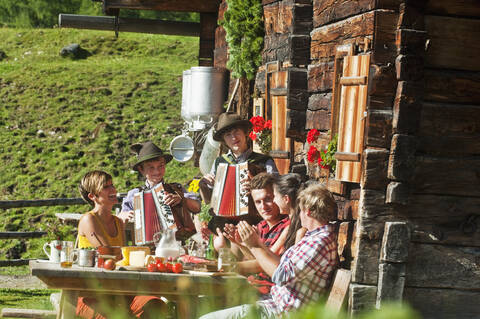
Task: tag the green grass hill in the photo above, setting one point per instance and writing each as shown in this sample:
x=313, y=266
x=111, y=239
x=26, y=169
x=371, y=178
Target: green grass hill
x=60, y=117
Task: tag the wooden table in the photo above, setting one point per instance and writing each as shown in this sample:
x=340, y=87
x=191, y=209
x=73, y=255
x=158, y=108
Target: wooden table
x=184, y=289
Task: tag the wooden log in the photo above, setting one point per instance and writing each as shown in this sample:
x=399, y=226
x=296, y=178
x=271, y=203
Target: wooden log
x=465, y=8
x=320, y=101
x=409, y=67
x=381, y=81
x=443, y=219
x=27, y=313
x=443, y=303
x=129, y=25
x=326, y=38
x=449, y=130
x=343, y=238
x=351, y=210
x=401, y=162
x=330, y=11
x=395, y=242
x=439, y=266
x=447, y=176
x=378, y=128
x=299, y=49
x=361, y=298
x=296, y=124
x=391, y=283
x=453, y=43
x=336, y=187
x=28, y=234
x=384, y=47
x=339, y=290
x=220, y=37
x=407, y=107
x=412, y=15
x=374, y=214
x=320, y=77
x=353, y=80
x=220, y=57
x=180, y=5
x=448, y=86
x=381, y=103
x=14, y=262
x=302, y=19
x=319, y=120
x=375, y=165
x=270, y=14
x=411, y=41
x=297, y=94
x=222, y=8
x=275, y=48
x=365, y=264
x=398, y=193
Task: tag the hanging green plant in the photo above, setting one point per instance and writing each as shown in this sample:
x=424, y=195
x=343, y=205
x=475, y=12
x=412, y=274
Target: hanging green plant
x=243, y=23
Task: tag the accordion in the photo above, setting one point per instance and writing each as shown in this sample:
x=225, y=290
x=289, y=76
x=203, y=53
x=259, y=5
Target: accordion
x=151, y=215
x=228, y=199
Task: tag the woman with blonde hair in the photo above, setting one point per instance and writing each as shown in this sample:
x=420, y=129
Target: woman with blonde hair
x=99, y=227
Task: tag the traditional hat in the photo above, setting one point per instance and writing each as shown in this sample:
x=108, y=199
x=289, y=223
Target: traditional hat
x=147, y=151
x=227, y=121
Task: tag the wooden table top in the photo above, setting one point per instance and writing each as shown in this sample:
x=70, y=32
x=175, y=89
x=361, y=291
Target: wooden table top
x=134, y=282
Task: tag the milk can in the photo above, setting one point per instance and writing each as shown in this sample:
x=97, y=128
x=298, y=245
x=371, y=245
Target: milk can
x=210, y=151
x=204, y=91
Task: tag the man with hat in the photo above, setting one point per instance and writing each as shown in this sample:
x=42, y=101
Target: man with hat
x=233, y=131
x=151, y=162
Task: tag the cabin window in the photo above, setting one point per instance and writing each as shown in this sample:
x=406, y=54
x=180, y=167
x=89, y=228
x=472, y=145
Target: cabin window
x=349, y=112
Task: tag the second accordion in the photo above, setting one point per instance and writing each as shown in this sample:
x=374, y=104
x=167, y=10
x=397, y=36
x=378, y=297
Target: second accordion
x=151, y=215
x=228, y=199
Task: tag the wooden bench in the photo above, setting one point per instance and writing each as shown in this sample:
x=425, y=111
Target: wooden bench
x=339, y=290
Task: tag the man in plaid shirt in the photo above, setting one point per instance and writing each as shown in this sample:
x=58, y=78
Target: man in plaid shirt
x=305, y=269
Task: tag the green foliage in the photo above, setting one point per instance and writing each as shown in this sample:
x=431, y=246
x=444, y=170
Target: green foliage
x=328, y=156
x=204, y=215
x=61, y=118
x=243, y=23
x=26, y=298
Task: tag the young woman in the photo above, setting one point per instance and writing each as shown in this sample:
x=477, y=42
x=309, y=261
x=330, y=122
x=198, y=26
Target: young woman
x=99, y=227
x=286, y=189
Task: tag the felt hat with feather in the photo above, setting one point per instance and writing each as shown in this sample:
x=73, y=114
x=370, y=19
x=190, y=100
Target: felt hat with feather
x=147, y=151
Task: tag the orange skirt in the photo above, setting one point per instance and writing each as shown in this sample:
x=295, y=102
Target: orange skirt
x=119, y=306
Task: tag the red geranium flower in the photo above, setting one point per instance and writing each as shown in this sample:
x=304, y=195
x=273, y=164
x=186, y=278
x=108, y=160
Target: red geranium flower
x=312, y=135
x=312, y=154
x=268, y=125
x=258, y=123
x=252, y=136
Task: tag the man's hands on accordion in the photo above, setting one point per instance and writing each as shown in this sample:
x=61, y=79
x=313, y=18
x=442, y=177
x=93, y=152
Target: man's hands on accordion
x=172, y=199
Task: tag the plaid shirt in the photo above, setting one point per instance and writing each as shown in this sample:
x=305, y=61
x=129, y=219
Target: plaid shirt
x=304, y=271
x=270, y=235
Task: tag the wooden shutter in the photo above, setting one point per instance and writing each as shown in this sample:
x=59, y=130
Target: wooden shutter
x=351, y=117
x=276, y=110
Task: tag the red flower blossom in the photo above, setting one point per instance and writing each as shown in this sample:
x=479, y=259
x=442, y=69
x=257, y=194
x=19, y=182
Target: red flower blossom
x=268, y=125
x=312, y=154
x=312, y=135
x=252, y=136
x=258, y=123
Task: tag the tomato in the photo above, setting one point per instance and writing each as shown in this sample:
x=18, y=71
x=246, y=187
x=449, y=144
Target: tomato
x=169, y=267
x=159, y=259
x=170, y=258
x=177, y=268
x=152, y=267
x=109, y=264
x=161, y=267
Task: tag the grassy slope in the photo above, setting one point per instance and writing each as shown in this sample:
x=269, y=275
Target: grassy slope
x=89, y=111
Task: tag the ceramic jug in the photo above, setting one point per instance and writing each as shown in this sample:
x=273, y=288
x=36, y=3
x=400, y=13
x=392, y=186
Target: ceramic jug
x=167, y=246
x=55, y=247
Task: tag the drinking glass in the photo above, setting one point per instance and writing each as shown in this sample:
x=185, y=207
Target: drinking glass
x=66, y=255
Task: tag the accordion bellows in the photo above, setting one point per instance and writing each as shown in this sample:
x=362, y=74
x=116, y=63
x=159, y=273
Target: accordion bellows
x=228, y=199
x=151, y=215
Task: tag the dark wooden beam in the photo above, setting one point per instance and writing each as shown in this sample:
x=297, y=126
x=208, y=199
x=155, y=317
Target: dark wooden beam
x=129, y=25
x=164, y=5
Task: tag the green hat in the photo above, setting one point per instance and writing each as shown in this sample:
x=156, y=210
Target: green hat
x=227, y=121
x=147, y=151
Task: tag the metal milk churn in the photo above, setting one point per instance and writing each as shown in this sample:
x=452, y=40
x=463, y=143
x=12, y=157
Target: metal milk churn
x=204, y=90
